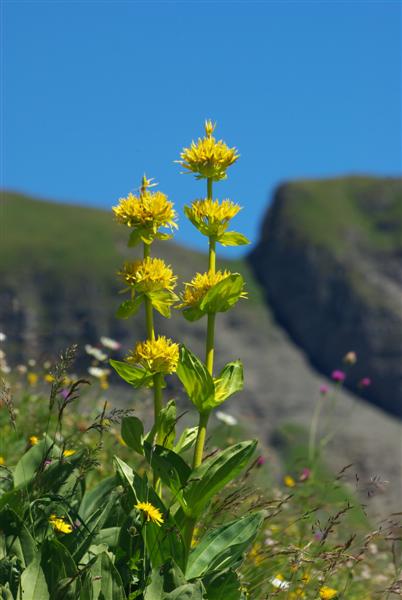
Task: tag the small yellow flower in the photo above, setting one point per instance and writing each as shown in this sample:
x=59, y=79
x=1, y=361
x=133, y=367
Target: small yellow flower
x=32, y=378
x=149, y=211
x=195, y=290
x=327, y=593
x=68, y=452
x=48, y=378
x=208, y=158
x=33, y=440
x=211, y=217
x=289, y=481
x=151, y=512
x=60, y=524
x=2, y=461
x=148, y=275
x=158, y=356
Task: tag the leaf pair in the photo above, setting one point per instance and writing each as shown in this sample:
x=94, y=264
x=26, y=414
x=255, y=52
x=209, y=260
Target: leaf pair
x=161, y=300
x=204, y=391
x=219, y=298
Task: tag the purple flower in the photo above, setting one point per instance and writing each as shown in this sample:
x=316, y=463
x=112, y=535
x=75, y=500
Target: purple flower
x=324, y=389
x=318, y=535
x=365, y=382
x=305, y=474
x=260, y=461
x=338, y=376
x=64, y=392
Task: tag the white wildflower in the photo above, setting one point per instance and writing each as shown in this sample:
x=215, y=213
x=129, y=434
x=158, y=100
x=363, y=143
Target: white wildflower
x=279, y=583
x=3, y=337
x=95, y=352
x=98, y=372
x=109, y=343
x=226, y=418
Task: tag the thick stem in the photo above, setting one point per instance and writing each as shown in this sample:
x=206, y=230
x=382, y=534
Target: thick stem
x=158, y=381
x=202, y=433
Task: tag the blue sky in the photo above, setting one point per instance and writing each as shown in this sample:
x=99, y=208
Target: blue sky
x=96, y=93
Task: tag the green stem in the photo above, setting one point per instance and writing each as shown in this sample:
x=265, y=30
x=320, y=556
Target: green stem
x=149, y=317
x=209, y=352
x=202, y=433
x=158, y=381
x=313, y=430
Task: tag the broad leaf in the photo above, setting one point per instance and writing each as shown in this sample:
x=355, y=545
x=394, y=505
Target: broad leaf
x=195, y=378
x=132, y=432
x=169, y=466
x=223, y=295
x=18, y=541
x=223, y=586
x=186, y=440
x=162, y=300
x=135, y=376
x=188, y=591
x=96, y=497
x=128, y=308
x=33, y=584
x=214, y=473
x=229, y=382
x=222, y=548
x=106, y=581
x=28, y=465
x=233, y=238
x=58, y=565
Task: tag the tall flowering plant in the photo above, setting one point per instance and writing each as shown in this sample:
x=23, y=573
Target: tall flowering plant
x=181, y=492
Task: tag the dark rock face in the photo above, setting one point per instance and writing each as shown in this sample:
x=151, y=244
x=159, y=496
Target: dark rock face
x=334, y=277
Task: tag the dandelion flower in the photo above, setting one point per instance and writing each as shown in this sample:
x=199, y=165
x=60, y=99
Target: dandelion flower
x=289, y=481
x=211, y=217
x=327, y=593
x=148, y=275
x=32, y=378
x=151, y=512
x=68, y=452
x=208, y=158
x=60, y=524
x=157, y=356
x=33, y=440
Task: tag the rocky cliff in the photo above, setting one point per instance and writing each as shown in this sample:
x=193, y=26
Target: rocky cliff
x=330, y=261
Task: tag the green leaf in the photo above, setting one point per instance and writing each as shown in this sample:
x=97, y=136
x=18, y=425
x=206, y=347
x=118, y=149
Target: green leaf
x=223, y=295
x=132, y=432
x=135, y=376
x=33, y=583
x=186, y=440
x=128, y=308
x=233, y=238
x=189, y=591
x=126, y=475
x=162, y=300
x=169, y=466
x=96, y=497
x=193, y=314
x=28, y=465
x=166, y=424
x=163, y=236
x=222, y=548
x=135, y=238
x=214, y=473
x=57, y=564
x=229, y=382
x=106, y=581
x=223, y=586
x=195, y=378
x=18, y=540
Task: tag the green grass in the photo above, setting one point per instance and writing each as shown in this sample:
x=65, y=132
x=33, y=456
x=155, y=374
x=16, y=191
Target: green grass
x=338, y=213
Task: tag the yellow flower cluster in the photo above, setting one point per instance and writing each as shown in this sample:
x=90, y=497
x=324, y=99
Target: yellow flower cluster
x=151, y=512
x=60, y=524
x=211, y=217
x=148, y=275
x=195, y=290
x=208, y=158
x=157, y=356
x=149, y=211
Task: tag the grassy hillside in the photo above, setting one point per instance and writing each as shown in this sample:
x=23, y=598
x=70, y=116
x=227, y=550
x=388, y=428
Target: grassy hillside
x=338, y=213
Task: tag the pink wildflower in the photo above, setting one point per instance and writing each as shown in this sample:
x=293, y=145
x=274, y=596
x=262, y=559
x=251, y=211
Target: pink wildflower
x=365, y=382
x=324, y=389
x=305, y=474
x=338, y=376
x=260, y=461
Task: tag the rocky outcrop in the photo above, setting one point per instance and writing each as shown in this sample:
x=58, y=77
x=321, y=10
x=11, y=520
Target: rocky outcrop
x=330, y=261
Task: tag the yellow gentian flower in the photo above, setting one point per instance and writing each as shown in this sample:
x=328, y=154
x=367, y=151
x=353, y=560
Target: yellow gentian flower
x=157, y=356
x=148, y=275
